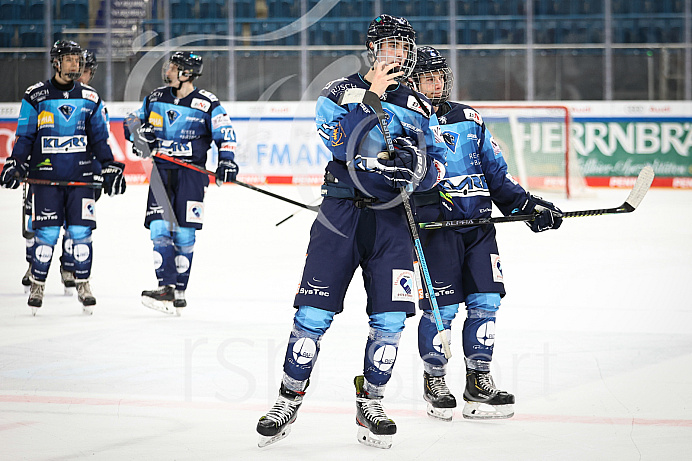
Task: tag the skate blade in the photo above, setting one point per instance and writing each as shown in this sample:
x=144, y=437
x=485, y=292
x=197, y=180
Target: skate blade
x=265, y=440
x=88, y=310
x=478, y=410
x=69, y=291
x=34, y=310
x=27, y=289
x=445, y=414
x=178, y=311
x=162, y=306
x=373, y=440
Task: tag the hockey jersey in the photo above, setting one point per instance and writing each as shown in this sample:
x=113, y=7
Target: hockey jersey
x=185, y=128
x=477, y=173
x=60, y=132
x=352, y=129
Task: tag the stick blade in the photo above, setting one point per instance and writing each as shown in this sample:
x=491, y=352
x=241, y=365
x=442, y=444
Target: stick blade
x=641, y=187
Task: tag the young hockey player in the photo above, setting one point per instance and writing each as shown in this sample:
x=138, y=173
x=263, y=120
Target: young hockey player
x=67, y=265
x=61, y=129
x=182, y=121
x=466, y=261
x=362, y=223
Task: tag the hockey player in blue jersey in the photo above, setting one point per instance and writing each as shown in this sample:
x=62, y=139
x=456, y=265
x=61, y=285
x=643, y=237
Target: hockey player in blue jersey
x=182, y=121
x=465, y=263
x=61, y=130
x=362, y=223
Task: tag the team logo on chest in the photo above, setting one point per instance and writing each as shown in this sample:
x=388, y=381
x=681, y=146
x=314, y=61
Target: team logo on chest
x=172, y=116
x=66, y=110
x=450, y=138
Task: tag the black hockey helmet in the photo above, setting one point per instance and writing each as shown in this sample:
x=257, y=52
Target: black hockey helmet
x=188, y=62
x=429, y=62
x=386, y=27
x=90, y=61
x=63, y=48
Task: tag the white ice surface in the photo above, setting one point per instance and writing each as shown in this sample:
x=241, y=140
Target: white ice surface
x=594, y=338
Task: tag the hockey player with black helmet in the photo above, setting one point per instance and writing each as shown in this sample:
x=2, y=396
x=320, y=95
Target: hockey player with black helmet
x=362, y=223
x=183, y=121
x=466, y=261
x=61, y=131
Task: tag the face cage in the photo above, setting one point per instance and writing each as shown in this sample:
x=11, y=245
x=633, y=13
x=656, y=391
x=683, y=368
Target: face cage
x=57, y=65
x=181, y=73
x=388, y=54
x=448, y=77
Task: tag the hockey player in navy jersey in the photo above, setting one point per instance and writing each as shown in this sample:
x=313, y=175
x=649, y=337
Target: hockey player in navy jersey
x=464, y=262
x=61, y=130
x=362, y=223
x=179, y=120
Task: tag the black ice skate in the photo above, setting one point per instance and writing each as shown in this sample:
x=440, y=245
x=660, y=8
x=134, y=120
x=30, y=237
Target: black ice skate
x=36, y=294
x=160, y=299
x=26, y=280
x=483, y=399
x=441, y=402
x=276, y=424
x=85, y=296
x=68, y=281
x=375, y=429
x=179, y=302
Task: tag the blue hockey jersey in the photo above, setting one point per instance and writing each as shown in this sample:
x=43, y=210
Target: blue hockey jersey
x=352, y=129
x=477, y=172
x=59, y=132
x=185, y=128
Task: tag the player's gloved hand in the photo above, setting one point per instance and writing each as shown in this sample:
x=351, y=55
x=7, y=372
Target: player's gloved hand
x=144, y=140
x=113, y=179
x=549, y=216
x=406, y=167
x=98, y=179
x=226, y=171
x=12, y=173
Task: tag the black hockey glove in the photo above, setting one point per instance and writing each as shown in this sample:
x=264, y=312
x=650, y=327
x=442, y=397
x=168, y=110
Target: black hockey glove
x=226, y=171
x=12, y=173
x=113, y=179
x=408, y=165
x=549, y=216
x=144, y=140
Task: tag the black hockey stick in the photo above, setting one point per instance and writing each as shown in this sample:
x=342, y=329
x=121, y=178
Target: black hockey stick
x=294, y=213
x=191, y=166
x=26, y=233
x=639, y=190
x=358, y=95
x=50, y=182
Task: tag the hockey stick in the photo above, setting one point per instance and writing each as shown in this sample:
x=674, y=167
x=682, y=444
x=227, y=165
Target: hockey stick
x=293, y=214
x=26, y=233
x=191, y=166
x=50, y=182
x=360, y=95
x=639, y=190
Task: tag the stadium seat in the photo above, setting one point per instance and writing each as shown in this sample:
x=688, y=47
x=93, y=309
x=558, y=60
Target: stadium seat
x=211, y=9
x=182, y=9
x=244, y=9
x=12, y=10
x=6, y=35
x=36, y=9
x=31, y=35
x=76, y=11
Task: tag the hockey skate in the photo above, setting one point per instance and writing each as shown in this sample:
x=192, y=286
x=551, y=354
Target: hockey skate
x=68, y=281
x=374, y=428
x=276, y=424
x=483, y=399
x=160, y=299
x=26, y=280
x=85, y=296
x=441, y=402
x=36, y=294
x=179, y=302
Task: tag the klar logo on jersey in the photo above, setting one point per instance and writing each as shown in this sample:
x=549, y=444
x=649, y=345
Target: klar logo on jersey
x=450, y=139
x=172, y=116
x=66, y=110
x=469, y=185
x=64, y=144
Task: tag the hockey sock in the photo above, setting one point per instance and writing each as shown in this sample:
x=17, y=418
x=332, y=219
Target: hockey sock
x=45, y=240
x=30, y=249
x=67, y=258
x=429, y=344
x=184, y=249
x=309, y=324
x=81, y=250
x=381, y=348
x=164, y=252
x=479, y=329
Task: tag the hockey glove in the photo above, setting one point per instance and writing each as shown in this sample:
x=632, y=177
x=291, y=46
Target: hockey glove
x=548, y=215
x=407, y=166
x=226, y=171
x=12, y=173
x=113, y=179
x=144, y=140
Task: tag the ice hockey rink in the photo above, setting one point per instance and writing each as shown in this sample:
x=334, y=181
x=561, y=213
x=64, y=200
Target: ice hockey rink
x=594, y=338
